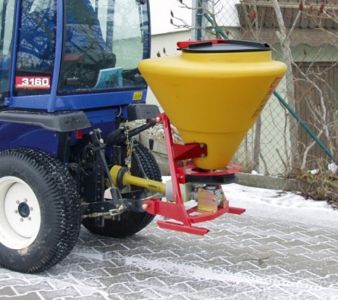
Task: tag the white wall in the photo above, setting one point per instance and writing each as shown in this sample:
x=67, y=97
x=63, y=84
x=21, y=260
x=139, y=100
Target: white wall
x=164, y=34
x=160, y=15
x=167, y=41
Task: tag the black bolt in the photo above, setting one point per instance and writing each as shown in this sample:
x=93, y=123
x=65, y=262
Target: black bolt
x=24, y=210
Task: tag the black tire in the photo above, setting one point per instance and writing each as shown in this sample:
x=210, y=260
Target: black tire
x=129, y=223
x=58, y=203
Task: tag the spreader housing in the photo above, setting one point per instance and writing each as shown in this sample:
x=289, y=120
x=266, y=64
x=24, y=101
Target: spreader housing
x=213, y=92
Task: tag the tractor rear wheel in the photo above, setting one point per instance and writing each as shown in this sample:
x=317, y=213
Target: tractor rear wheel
x=143, y=165
x=40, y=214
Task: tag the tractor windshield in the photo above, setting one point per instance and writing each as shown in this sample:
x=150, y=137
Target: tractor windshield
x=104, y=41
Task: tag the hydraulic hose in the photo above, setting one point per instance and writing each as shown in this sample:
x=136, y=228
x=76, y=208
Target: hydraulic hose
x=119, y=136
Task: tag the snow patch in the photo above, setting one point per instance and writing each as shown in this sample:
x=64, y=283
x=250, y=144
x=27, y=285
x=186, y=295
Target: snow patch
x=314, y=172
x=200, y=273
x=281, y=205
x=332, y=167
x=254, y=172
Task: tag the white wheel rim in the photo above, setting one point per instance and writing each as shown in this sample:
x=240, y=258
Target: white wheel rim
x=20, y=215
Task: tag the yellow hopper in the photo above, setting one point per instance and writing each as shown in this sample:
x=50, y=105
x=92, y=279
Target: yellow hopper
x=213, y=93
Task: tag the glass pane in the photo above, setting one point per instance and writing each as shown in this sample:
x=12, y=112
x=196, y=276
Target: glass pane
x=36, y=53
x=7, y=8
x=104, y=43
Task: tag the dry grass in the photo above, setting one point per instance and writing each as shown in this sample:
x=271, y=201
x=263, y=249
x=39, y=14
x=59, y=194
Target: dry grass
x=320, y=186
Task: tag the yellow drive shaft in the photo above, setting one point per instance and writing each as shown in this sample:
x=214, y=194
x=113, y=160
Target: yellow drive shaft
x=121, y=176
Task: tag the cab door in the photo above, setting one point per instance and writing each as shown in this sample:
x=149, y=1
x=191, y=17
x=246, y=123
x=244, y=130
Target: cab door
x=36, y=47
x=7, y=12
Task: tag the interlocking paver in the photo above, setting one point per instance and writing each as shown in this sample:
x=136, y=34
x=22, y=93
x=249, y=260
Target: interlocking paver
x=95, y=296
x=24, y=289
x=69, y=291
x=30, y=296
x=6, y=291
x=243, y=257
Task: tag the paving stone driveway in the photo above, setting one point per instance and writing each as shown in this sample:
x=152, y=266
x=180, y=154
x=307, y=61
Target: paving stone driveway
x=244, y=257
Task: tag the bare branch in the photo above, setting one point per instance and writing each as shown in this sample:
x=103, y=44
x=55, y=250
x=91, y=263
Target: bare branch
x=306, y=151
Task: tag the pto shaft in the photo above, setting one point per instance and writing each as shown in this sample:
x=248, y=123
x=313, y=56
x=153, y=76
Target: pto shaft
x=121, y=177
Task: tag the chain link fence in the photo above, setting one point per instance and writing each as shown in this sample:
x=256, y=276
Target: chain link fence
x=303, y=34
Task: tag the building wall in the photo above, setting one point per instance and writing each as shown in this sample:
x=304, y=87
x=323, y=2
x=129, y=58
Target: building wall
x=168, y=42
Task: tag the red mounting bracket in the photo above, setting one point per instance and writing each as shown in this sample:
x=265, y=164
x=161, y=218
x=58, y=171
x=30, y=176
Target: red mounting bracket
x=177, y=216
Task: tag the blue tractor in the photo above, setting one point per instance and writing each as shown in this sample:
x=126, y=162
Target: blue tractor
x=69, y=85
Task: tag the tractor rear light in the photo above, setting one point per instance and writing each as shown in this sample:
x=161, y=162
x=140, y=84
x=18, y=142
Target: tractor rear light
x=79, y=134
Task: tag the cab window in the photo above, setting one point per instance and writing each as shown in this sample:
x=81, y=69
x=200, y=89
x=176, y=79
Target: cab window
x=7, y=8
x=36, y=47
x=104, y=41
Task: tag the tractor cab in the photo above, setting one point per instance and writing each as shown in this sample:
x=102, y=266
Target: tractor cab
x=72, y=54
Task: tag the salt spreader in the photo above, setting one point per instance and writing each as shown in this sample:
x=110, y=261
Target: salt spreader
x=70, y=86
x=213, y=93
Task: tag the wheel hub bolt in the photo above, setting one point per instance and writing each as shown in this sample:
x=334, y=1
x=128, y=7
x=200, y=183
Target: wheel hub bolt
x=24, y=210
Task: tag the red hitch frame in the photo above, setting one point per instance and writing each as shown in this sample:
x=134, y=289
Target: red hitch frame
x=177, y=217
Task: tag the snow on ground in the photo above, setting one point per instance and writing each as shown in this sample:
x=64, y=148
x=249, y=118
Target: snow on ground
x=281, y=205
x=277, y=204
x=283, y=247
x=239, y=259
x=223, y=276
